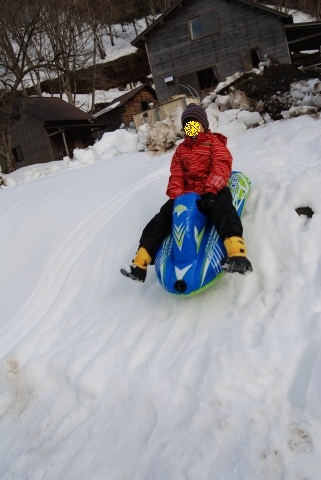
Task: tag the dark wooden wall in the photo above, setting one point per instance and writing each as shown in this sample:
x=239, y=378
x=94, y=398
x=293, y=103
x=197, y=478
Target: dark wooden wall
x=242, y=27
x=29, y=134
x=38, y=146
x=112, y=119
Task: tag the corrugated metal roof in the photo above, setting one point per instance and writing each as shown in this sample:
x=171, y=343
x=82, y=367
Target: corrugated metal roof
x=53, y=109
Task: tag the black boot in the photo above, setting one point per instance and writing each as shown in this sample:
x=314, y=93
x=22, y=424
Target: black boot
x=237, y=264
x=134, y=272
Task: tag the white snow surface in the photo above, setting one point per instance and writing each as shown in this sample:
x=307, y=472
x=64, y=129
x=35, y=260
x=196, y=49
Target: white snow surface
x=103, y=378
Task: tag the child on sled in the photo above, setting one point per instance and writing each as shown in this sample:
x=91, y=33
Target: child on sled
x=201, y=164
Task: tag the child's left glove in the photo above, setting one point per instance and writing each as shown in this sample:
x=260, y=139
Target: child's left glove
x=206, y=202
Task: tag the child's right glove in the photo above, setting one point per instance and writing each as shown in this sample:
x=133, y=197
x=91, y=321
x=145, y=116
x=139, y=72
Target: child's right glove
x=206, y=202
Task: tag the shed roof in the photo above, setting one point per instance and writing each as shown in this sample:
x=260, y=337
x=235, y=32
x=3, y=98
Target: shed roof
x=53, y=109
x=142, y=37
x=119, y=101
x=304, y=36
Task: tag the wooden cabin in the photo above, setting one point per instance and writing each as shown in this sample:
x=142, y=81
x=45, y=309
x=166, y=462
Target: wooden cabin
x=48, y=128
x=122, y=109
x=196, y=44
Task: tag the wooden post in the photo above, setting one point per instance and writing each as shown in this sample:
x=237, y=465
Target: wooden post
x=65, y=142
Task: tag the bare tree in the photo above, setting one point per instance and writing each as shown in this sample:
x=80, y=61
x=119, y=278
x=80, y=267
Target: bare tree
x=311, y=7
x=69, y=41
x=96, y=15
x=20, y=22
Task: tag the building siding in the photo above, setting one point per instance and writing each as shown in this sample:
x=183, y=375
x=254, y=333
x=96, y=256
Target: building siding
x=242, y=27
x=30, y=135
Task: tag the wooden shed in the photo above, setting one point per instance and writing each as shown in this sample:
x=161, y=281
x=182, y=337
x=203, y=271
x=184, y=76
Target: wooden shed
x=48, y=128
x=196, y=44
x=122, y=109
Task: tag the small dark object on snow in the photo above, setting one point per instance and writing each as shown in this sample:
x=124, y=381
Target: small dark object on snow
x=305, y=211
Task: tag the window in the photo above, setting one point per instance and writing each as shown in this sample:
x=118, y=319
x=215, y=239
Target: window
x=250, y=59
x=146, y=105
x=17, y=153
x=207, y=79
x=200, y=80
x=203, y=25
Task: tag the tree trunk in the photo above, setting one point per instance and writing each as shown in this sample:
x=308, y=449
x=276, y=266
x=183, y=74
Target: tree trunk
x=94, y=72
x=5, y=138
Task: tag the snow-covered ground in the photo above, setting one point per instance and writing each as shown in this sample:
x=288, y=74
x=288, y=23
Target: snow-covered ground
x=102, y=378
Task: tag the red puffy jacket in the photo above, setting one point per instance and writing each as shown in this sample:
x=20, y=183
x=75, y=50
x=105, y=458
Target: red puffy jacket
x=200, y=165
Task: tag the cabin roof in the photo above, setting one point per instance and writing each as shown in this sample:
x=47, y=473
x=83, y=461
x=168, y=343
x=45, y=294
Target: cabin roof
x=53, y=109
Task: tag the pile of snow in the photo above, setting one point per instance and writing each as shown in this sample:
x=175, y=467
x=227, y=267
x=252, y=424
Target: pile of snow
x=304, y=98
x=235, y=113
x=163, y=135
x=111, y=145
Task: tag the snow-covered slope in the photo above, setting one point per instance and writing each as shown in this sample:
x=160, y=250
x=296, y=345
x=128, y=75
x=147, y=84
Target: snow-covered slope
x=102, y=378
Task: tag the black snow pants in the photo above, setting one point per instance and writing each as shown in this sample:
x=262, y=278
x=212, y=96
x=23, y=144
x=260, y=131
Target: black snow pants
x=223, y=215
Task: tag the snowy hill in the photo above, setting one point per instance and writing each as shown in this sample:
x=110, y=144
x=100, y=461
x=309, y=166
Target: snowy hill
x=106, y=379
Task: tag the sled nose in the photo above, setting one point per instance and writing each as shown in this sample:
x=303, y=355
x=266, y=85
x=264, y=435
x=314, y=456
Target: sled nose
x=180, y=286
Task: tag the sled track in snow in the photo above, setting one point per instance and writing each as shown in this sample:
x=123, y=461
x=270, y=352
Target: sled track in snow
x=52, y=279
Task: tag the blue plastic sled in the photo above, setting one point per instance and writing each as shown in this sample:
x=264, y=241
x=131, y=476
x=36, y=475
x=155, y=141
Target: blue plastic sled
x=189, y=259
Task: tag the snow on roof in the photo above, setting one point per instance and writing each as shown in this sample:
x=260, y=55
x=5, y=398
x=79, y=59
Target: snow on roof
x=110, y=107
